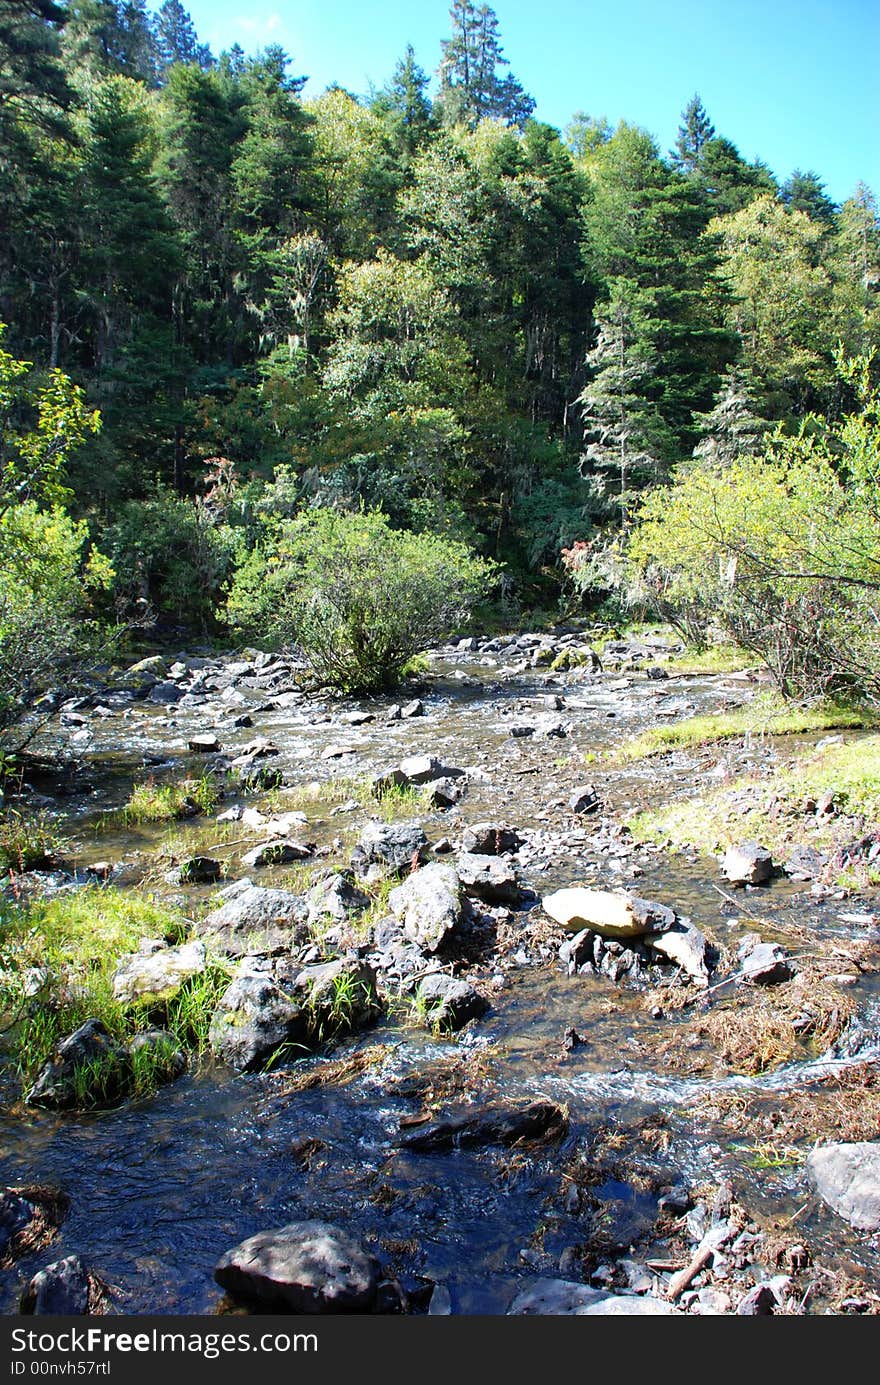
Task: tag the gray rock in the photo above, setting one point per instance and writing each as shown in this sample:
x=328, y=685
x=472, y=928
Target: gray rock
x=847, y=1177
x=341, y=996
x=280, y=852
x=759, y=1302
x=490, y=839
x=577, y=951
x=337, y=898
x=164, y=1046
x=765, y=964
x=420, y=769
x=251, y=918
x=685, y=946
x=158, y=975
x=62, y=1288
x=394, y=847
x=206, y=744
x=429, y=905
x=557, y=1297
x=628, y=1305
x=252, y=1021
x=305, y=1267
x=165, y=693
x=493, y=1125
x=489, y=878
x=415, y=708
x=584, y=800
x=805, y=863
x=198, y=870
x=91, y=1044
x=450, y=1003
x=444, y=793
x=747, y=864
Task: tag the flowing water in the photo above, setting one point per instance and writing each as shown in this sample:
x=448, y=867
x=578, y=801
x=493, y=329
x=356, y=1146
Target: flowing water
x=159, y=1188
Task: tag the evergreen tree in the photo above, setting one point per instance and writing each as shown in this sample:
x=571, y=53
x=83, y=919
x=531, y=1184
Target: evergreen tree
x=734, y=427
x=805, y=192
x=34, y=91
x=729, y=183
x=624, y=431
x=176, y=38
x=109, y=38
x=405, y=107
x=694, y=132
x=471, y=87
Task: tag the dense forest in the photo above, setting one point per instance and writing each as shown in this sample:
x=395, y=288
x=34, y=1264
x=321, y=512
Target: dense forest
x=233, y=304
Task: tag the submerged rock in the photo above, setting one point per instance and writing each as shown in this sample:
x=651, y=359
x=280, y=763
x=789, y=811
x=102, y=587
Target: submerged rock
x=610, y=913
x=305, y=1267
x=494, y=1125
x=847, y=1178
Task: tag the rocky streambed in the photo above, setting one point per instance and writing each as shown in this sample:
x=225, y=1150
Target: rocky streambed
x=470, y=1040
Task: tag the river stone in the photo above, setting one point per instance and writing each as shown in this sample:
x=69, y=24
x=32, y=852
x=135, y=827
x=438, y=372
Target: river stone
x=164, y=693
x=429, y=905
x=415, y=708
x=577, y=951
x=158, y=975
x=629, y=1305
x=489, y=878
x=62, y=1289
x=396, y=847
x=91, y=1043
x=253, y=1019
x=584, y=800
x=341, y=995
x=450, y=1003
x=306, y=1267
x=444, y=793
x=847, y=1177
x=611, y=913
x=763, y=963
x=279, y=852
x=197, y=870
x=557, y=1297
x=16, y=1213
x=747, y=864
x=251, y=917
x=336, y=897
x=420, y=769
x=493, y=1125
x=805, y=863
x=687, y=947
x=490, y=839
x=205, y=744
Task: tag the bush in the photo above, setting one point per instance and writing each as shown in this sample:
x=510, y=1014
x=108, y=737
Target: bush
x=358, y=597
x=782, y=551
x=170, y=558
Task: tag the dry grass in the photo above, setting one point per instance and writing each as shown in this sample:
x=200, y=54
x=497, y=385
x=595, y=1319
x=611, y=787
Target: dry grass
x=51, y=1207
x=843, y=1107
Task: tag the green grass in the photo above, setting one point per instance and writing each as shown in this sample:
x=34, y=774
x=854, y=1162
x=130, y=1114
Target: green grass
x=767, y=715
x=28, y=841
x=152, y=802
x=718, y=658
x=57, y=961
x=779, y=809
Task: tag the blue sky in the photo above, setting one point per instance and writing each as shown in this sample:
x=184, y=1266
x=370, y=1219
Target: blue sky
x=794, y=82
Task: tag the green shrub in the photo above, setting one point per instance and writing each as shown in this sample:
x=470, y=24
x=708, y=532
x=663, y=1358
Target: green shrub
x=27, y=842
x=152, y=802
x=358, y=597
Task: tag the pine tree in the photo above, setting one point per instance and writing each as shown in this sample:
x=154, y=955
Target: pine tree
x=405, y=106
x=734, y=427
x=471, y=88
x=623, y=429
x=34, y=91
x=176, y=38
x=695, y=130
x=805, y=192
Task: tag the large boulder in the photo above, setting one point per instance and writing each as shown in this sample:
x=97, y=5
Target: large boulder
x=253, y=1020
x=490, y=839
x=489, y=878
x=335, y=898
x=393, y=847
x=611, y=913
x=157, y=975
x=428, y=903
x=251, y=918
x=304, y=1267
x=847, y=1177
x=340, y=996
